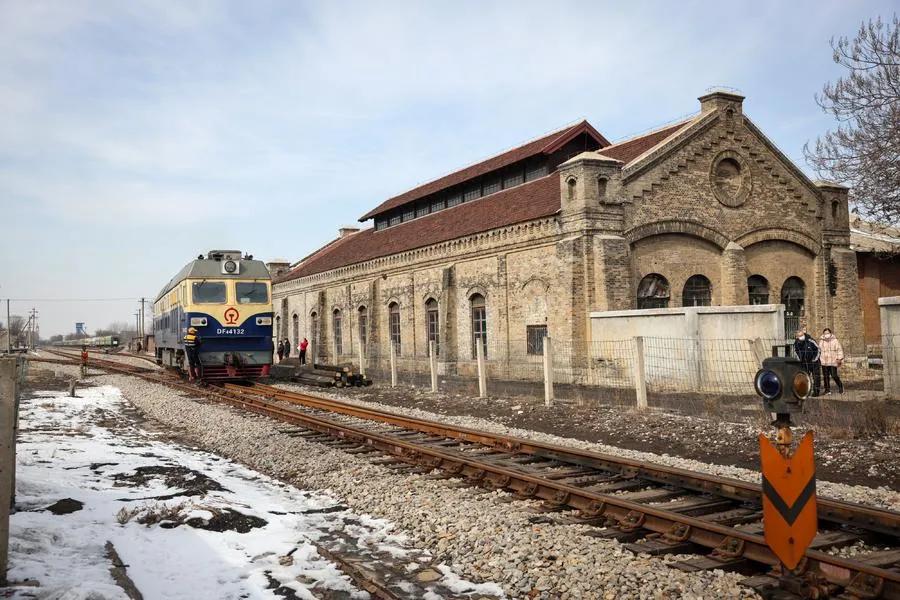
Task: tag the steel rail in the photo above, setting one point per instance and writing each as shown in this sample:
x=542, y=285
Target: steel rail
x=725, y=541
x=829, y=510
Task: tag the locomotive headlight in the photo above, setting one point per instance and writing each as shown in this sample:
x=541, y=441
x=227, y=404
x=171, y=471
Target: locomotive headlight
x=198, y=321
x=768, y=384
x=802, y=385
x=263, y=320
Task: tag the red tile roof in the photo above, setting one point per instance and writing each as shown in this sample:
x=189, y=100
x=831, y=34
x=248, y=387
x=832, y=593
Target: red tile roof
x=544, y=145
x=532, y=200
x=628, y=150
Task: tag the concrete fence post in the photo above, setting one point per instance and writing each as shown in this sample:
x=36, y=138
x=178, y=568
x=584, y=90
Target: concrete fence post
x=393, y=365
x=548, y=372
x=7, y=453
x=432, y=362
x=362, y=361
x=482, y=375
x=640, y=378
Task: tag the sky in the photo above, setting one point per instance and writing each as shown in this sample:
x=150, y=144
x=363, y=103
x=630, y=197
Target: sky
x=136, y=135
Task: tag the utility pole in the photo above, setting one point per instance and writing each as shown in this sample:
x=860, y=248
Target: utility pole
x=8, y=332
x=141, y=335
x=34, y=313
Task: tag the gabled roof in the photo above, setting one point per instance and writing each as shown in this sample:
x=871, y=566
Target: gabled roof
x=526, y=202
x=630, y=149
x=541, y=146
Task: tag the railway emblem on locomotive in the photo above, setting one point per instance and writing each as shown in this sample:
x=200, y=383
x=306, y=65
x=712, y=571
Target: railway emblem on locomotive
x=231, y=316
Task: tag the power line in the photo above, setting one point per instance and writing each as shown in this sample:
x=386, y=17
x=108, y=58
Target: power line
x=131, y=299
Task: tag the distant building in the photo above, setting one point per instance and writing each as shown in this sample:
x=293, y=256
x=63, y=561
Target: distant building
x=706, y=211
x=878, y=262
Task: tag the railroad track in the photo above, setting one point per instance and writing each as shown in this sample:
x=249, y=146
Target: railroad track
x=650, y=508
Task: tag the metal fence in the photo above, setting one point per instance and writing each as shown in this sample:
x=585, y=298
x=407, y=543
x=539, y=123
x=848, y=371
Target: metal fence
x=617, y=371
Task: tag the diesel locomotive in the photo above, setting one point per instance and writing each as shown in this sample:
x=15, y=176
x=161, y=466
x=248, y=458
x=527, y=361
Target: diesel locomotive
x=227, y=298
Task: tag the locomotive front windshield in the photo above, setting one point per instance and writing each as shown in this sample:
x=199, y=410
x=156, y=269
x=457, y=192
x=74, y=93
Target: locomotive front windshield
x=208, y=292
x=250, y=292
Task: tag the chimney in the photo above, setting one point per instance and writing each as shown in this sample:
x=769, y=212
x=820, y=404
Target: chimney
x=721, y=99
x=277, y=266
x=345, y=231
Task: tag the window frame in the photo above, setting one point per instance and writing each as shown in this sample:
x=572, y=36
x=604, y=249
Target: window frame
x=653, y=302
x=704, y=284
x=478, y=323
x=224, y=285
x=534, y=346
x=337, y=331
x=433, y=325
x=237, y=298
x=394, y=329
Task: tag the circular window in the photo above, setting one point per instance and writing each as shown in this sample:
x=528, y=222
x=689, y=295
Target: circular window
x=730, y=179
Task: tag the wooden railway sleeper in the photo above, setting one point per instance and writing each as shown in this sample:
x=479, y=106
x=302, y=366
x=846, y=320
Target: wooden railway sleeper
x=863, y=586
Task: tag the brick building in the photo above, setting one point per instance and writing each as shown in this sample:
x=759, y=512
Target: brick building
x=527, y=243
x=878, y=262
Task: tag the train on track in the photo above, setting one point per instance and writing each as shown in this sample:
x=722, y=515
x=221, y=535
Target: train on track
x=227, y=298
x=103, y=341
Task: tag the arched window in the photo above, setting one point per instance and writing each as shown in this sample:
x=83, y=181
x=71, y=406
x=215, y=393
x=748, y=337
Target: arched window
x=431, y=325
x=653, y=292
x=394, y=325
x=793, y=296
x=758, y=288
x=314, y=331
x=337, y=330
x=295, y=321
x=363, y=328
x=835, y=206
x=697, y=291
x=570, y=188
x=479, y=323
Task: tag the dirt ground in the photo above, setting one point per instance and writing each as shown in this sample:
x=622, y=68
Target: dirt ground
x=856, y=443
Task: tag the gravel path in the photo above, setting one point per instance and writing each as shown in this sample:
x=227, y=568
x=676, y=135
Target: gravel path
x=483, y=535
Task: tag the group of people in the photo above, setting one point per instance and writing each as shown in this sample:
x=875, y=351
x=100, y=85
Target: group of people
x=284, y=350
x=824, y=356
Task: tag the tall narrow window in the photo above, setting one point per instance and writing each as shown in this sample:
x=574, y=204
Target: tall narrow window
x=653, y=292
x=394, y=325
x=314, y=330
x=758, y=289
x=363, y=328
x=697, y=291
x=295, y=322
x=479, y=323
x=431, y=325
x=337, y=329
x=793, y=296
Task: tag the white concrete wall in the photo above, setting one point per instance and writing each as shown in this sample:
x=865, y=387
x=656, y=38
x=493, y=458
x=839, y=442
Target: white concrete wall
x=890, y=344
x=710, y=348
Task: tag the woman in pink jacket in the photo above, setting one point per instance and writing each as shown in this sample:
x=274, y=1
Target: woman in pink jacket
x=832, y=358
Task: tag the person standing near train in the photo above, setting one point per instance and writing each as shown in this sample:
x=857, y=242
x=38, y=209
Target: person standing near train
x=303, y=346
x=832, y=358
x=287, y=348
x=809, y=354
x=280, y=350
x=192, y=349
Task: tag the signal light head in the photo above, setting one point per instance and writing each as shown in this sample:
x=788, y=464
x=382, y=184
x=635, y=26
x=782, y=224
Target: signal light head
x=802, y=385
x=768, y=384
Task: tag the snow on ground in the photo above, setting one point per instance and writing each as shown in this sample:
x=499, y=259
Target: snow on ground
x=188, y=524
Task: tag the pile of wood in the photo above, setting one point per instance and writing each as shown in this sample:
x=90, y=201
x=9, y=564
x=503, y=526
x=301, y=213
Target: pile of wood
x=338, y=376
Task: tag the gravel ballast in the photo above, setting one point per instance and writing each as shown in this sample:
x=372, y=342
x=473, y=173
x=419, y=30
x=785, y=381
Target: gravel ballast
x=482, y=535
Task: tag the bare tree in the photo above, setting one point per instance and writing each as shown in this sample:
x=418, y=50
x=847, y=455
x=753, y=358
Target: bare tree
x=864, y=151
x=16, y=326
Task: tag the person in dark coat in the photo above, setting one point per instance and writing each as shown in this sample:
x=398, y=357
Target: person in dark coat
x=280, y=350
x=287, y=348
x=807, y=351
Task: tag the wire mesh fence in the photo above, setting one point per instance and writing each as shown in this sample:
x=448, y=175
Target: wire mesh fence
x=603, y=371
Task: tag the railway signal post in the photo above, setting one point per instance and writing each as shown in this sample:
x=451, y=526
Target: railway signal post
x=788, y=475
